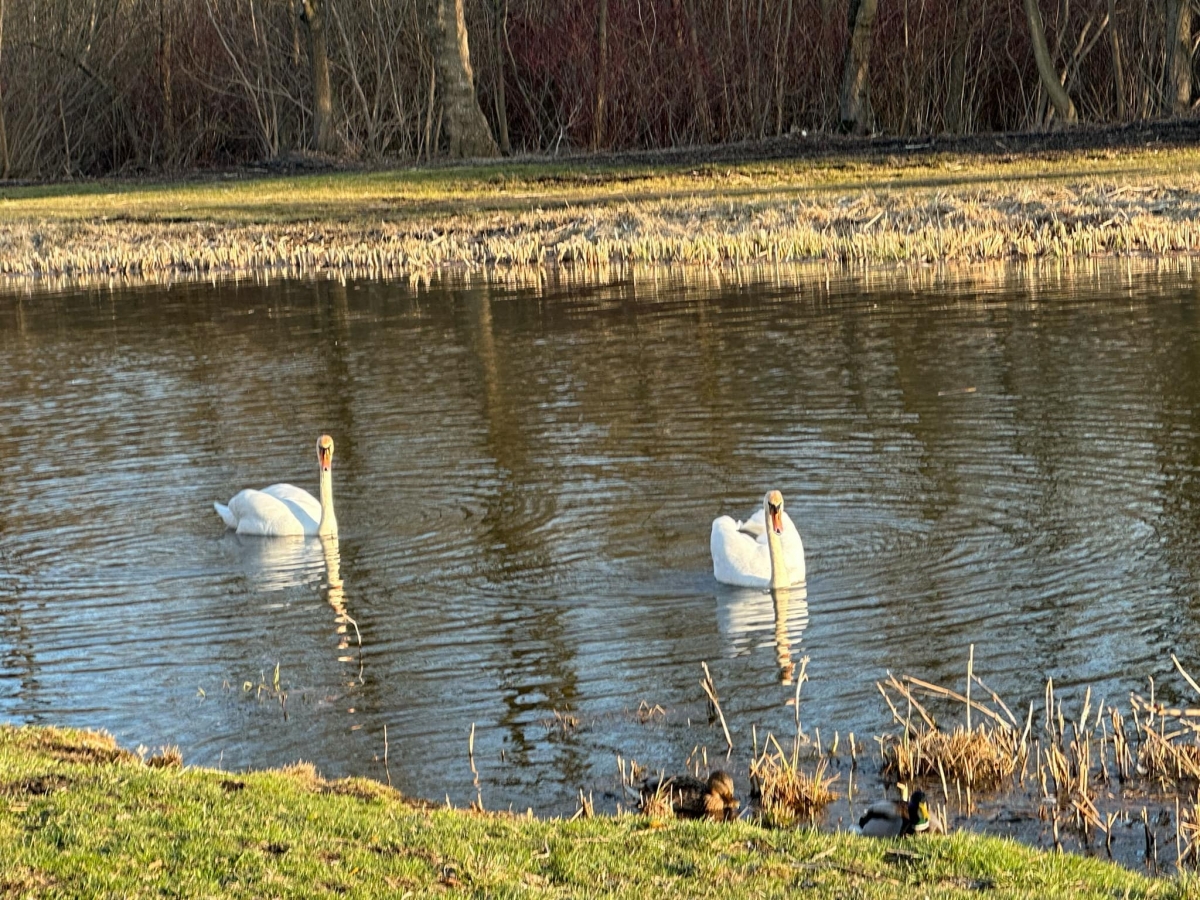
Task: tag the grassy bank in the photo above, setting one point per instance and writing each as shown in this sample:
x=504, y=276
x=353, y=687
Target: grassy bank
x=909, y=207
x=81, y=817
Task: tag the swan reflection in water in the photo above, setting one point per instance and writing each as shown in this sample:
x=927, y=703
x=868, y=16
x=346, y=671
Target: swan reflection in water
x=747, y=616
x=274, y=564
x=335, y=593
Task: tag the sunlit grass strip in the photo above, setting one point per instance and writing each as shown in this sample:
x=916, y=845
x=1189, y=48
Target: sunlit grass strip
x=392, y=224
x=79, y=817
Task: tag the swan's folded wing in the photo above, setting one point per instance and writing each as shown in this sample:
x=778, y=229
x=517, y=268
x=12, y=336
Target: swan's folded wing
x=291, y=494
x=755, y=526
x=738, y=558
x=258, y=512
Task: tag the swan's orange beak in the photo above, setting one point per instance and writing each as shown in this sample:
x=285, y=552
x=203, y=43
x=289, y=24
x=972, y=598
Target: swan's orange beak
x=325, y=452
x=775, y=511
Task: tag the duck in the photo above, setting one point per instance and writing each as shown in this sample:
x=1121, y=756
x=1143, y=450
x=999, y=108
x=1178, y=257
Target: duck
x=765, y=551
x=692, y=798
x=284, y=510
x=896, y=818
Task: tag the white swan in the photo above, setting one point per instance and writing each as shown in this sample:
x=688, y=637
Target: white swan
x=283, y=509
x=749, y=554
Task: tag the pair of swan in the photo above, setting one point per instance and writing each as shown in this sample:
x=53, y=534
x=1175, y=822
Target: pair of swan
x=284, y=510
x=765, y=551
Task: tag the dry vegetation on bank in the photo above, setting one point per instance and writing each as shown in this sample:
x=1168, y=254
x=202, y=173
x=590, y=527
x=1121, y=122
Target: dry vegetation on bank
x=915, y=208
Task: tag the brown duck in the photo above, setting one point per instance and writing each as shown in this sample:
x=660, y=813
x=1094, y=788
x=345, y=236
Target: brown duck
x=691, y=798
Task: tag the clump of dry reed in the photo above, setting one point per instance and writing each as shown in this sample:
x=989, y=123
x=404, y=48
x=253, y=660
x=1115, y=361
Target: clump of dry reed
x=981, y=757
x=787, y=794
x=1074, y=758
x=1169, y=750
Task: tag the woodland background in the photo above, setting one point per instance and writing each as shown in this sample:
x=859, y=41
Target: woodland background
x=96, y=87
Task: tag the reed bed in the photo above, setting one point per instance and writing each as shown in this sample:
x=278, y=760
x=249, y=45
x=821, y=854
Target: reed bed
x=1080, y=764
x=1169, y=737
x=946, y=211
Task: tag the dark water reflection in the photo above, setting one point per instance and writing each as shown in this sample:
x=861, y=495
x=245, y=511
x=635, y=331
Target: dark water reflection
x=525, y=478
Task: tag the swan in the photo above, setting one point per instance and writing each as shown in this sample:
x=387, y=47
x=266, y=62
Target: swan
x=749, y=554
x=285, y=510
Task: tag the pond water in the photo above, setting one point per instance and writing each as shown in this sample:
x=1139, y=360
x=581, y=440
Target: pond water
x=525, y=476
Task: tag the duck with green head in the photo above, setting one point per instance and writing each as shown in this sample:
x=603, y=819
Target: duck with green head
x=896, y=818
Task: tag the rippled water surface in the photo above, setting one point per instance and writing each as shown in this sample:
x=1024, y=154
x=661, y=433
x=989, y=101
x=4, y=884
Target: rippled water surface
x=525, y=477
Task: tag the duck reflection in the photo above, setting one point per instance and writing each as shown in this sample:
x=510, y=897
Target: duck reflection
x=746, y=617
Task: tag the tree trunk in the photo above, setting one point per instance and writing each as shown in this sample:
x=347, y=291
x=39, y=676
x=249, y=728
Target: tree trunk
x=501, y=105
x=1179, y=56
x=4, y=159
x=164, y=75
x=312, y=14
x=856, y=112
x=956, y=95
x=781, y=61
x=466, y=127
x=1063, y=106
x=699, y=91
x=601, y=76
x=1114, y=41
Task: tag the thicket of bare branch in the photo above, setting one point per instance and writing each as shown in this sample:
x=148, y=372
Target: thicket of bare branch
x=127, y=86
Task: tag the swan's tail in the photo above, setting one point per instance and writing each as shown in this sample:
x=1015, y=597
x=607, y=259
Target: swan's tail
x=226, y=515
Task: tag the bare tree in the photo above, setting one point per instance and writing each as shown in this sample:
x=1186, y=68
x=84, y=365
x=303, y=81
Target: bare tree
x=699, y=91
x=1178, y=89
x=501, y=10
x=956, y=91
x=466, y=127
x=1063, y=106
x=312, y=14
x=856, y=111
x=1114, y=41
x=601, y=75
x=166, y=82
x=4, y=160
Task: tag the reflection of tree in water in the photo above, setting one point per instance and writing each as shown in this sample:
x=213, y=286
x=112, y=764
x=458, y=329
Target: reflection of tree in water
x=534, y=658
x=332, y=314
x=1178, y=450
x=19, y=660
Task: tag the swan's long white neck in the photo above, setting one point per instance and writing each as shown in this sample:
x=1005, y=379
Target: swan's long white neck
x=328, y=524
x=780, y=577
